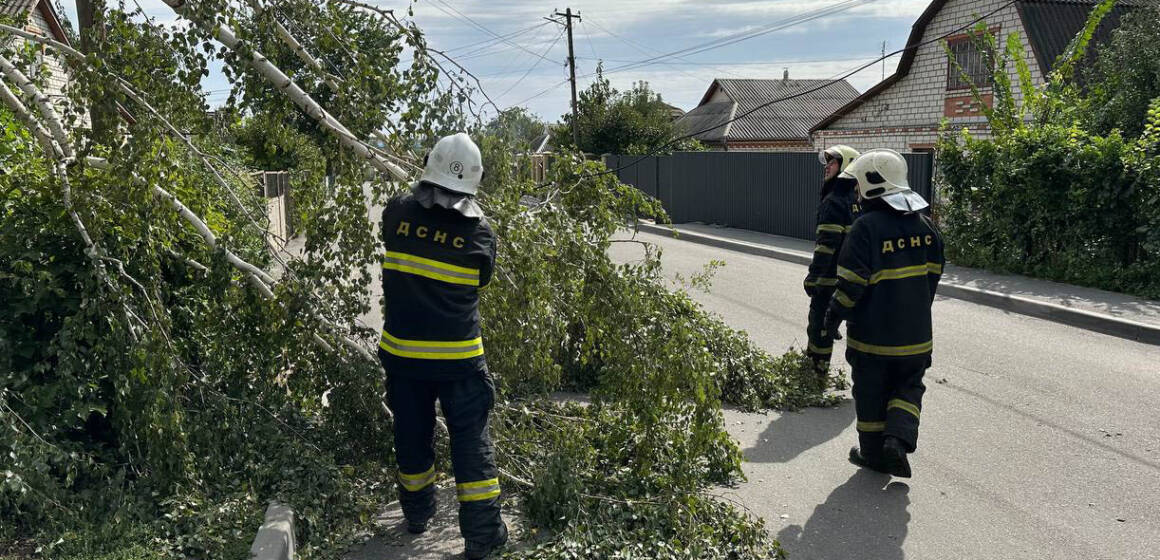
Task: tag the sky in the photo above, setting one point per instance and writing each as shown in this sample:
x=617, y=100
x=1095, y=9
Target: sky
x=636, y=40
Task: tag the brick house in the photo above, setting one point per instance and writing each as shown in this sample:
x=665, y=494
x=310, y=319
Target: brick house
x=904, y=111
x=40, y=17
x=736, y=114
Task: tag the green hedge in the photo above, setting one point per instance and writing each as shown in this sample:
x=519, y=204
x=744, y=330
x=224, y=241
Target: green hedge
x=1056, y=202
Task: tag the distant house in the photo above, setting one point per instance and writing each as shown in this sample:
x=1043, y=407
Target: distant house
x=737, y=114
x=904, y=111
x=39, y=16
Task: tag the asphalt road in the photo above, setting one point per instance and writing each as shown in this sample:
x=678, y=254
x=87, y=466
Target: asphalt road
x=1038, y=440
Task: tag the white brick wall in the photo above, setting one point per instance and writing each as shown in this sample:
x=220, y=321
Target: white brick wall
x=917, y=100
x=57, y=76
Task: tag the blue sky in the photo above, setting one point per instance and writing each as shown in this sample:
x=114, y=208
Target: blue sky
x=626, y=33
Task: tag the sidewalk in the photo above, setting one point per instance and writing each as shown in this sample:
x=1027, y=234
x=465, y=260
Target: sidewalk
x=1097, y=310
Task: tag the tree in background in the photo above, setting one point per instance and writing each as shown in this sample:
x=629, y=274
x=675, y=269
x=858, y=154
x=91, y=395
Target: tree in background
x=1126, y=76
x=1056, y=193
x=634, y=122
x=518, y=128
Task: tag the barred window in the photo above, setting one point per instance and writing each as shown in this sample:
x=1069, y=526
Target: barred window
x=972, y=61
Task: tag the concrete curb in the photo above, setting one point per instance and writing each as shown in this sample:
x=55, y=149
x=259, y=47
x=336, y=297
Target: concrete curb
x=275, y=539
x=1105, y=324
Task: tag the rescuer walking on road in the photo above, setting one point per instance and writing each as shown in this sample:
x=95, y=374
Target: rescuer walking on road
x=888, y=271
x=439, y=251
x=836, y=213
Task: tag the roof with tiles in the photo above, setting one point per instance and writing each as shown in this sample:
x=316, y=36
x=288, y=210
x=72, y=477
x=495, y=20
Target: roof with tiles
x=764, y=109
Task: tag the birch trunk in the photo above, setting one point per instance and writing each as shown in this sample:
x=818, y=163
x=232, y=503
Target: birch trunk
x=42, y=102
x=280, y=80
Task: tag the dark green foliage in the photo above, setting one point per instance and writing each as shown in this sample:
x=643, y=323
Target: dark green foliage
x=637, y=121
x=1125, y=78
x=518, y=128
x=1049, y=196
x=154, y=410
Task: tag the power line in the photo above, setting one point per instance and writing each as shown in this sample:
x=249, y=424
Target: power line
x=649, y=51
x=542, y=93
x=534, y=66
x=588, y=39
x=441, y=5
x=518, y=60
x=748, y=62
x=496, y=40
x=489, y=50
x=735, y=118
x=736, y=38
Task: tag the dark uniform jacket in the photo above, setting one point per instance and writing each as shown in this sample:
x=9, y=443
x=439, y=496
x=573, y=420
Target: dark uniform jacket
x=836, y=213
x=888, y=272
x=435, y=262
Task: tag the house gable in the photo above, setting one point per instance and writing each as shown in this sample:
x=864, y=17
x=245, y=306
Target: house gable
x=913, y=102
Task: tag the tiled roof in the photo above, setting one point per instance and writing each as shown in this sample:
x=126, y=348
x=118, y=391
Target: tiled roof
x=800, y=104
x=708, y=121
x=17, y=8
x=1048, y=36
x=1052, y=24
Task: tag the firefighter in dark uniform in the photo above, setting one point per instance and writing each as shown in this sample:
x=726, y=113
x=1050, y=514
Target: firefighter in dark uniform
x=836, y=213
x=888, y=271
x=440, y=251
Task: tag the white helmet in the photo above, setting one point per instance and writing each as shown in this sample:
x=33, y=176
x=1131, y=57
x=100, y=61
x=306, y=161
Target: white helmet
x=455, y=164
x=844, y=154
x=881, y=173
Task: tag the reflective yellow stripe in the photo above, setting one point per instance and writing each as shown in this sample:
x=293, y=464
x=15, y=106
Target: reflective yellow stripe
x=906, y=272
x=833, y=228
x=843, y=299
x=431, y=262
x=899, y=403
x=432, y=349
x=480, y=490
x=912, y=350
x=871, y=426
x=823, y=250
x=430, y=268
x=851, y=276
x=819, y=350
x=416, y=482
x=430, y=274
x=824, y=282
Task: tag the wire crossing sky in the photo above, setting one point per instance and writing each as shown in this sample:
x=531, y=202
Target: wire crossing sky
x=677, y=46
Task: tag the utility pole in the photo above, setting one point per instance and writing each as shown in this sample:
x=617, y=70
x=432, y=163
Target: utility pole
x=883, y=60
x=568, y=16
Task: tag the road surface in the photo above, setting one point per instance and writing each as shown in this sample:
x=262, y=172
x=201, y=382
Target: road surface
x=1039, y=441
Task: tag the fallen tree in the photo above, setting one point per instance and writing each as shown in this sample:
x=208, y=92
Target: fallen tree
x=159, y=384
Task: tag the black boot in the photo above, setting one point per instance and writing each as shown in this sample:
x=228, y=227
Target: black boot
x=861, y=460
x=894, y=457
x=416, y=527
x=477, y=551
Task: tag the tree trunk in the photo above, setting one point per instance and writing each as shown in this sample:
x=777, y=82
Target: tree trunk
x=103, y=110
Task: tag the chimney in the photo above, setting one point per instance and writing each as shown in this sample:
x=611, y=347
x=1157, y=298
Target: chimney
x=785, y=74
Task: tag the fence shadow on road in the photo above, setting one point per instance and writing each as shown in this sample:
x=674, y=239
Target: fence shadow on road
x=792, y=433
x=859, y=519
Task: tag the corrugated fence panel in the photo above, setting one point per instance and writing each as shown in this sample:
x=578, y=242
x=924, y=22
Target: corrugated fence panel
x=769, y=192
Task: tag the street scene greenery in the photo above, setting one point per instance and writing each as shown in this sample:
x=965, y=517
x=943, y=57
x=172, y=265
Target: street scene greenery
x=157, y=391
x=1067, y=188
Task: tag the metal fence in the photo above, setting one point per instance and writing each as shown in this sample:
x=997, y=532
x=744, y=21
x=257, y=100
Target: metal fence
x=768, y=192
x=274, y=187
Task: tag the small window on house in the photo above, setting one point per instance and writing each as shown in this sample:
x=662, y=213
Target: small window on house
x=972, y=61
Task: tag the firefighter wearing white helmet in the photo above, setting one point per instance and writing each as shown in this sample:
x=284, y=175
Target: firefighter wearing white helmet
x=440, y=250
x=836, y=213
x=888, y=271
